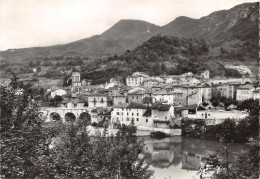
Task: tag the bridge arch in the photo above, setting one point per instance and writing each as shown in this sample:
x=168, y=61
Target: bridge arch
x=85, y=118
x=70, y=117
x=54, y=116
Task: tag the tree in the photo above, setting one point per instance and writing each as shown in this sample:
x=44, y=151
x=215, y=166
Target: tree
x=163, y=67
x=25, y=151
x=228, y=127
x=79, y=156
x=205, y=104
x=22, y=139
x=243, y=166
x=215, y=103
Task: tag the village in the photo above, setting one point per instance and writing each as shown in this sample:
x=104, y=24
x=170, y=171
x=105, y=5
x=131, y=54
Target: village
x=152, y=103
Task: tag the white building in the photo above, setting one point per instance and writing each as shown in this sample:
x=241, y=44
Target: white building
x=163, y=96
x=256, y=94
x=76, y=79
x=59, y=92
x=159, y=115
x=97, y=100
x=136, y=79
x=245, y=92
x=205, y=74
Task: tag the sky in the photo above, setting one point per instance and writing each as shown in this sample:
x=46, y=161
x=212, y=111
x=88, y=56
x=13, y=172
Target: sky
x=31, y=23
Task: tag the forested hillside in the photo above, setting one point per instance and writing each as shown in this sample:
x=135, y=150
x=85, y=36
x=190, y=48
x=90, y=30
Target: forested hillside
x=158, y=56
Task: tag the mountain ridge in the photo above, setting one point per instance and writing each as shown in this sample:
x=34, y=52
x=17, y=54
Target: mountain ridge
x=127, y=34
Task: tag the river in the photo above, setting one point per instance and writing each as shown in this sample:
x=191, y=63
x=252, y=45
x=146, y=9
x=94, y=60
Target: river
x=180, y=157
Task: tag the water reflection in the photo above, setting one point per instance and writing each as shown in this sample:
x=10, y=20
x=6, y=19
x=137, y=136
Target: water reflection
x=178, y=157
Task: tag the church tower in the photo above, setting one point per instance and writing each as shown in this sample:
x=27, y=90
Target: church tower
x=76, y=79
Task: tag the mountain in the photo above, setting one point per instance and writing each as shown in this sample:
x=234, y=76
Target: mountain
x=238, y=24
x=124, y=35
x=217, y=25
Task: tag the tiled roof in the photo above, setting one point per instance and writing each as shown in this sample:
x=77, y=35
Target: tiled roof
x=163, y=91
x=137, y=106
x=148, y=113
x=147, y=100
x=161, y=107
x=97, y=94
x=247, y=86
x=137, y=92
x=124, y=105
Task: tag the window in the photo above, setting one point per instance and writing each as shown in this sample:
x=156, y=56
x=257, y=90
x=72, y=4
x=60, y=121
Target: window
x=127, y=119
x=127, y=113
x=122, y=119
x=146, y=120
x=137, y=119
x=132, y=113
x=165, y=117
x=137, y=114
x=117, y=113
x=132, y=97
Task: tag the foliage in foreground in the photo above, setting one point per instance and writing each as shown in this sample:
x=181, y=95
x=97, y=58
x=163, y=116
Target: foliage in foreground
x=245, y=166
x=26, y=153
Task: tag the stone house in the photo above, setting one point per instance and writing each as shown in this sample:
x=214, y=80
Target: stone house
x=97, y=100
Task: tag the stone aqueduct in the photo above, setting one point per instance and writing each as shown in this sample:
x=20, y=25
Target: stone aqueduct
x=48, y=112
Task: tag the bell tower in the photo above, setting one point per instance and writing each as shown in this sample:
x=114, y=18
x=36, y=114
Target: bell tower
x=76, y=79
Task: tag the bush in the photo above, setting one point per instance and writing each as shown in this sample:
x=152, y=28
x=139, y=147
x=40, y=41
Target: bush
x=94, y=124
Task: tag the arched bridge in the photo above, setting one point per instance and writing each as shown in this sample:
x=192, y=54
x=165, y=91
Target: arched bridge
x=66, y=114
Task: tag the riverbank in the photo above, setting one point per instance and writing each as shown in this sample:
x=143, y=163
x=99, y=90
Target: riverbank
x=141, y=131
x=228, y=131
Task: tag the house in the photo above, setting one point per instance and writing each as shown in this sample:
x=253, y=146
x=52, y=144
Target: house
x=149, y=83
x=119, y=99
x=192, y=81
x=218, y=115
x=110, y=85
x=205, y=74
x=136, y=96
x=140, y=74
x=158, y=115
x=226, y=89
x=161, y=115
x=211, y=116
x=163, y=95
x=256, y=94
x=206, y=92
x=245, y=92
x=136, y=79
x=192, y=94
x=100, y=114
x=178, y=98
x=97, y=100
x=86, y=82
x=194, y=98
x=59, y=92
x=73, y=103
x=130, y=113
